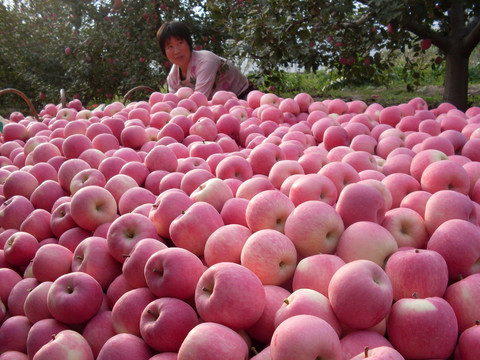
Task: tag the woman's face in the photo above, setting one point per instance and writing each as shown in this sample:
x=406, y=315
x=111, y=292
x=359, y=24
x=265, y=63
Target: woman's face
x=178, y=51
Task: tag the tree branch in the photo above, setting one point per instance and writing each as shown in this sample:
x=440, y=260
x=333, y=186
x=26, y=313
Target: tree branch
x=422, y=31
x=473, y=37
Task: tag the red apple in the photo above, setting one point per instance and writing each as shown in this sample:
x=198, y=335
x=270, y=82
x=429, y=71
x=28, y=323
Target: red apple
x=354, y=305
x=76, y=290
x=230, y=294
x=411, y=323
x=271, y=255
x=165, y=323
x=213, y=341
x=305, y=337
x=126, y=231
x=173, y=272
x=423, y=272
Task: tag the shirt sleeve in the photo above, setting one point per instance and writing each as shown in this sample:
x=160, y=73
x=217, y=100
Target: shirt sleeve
x=205, y=71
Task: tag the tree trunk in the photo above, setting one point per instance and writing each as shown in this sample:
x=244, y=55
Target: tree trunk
x=456, y=78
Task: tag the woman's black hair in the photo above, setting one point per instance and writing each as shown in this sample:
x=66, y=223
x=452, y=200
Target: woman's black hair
x=176, y=29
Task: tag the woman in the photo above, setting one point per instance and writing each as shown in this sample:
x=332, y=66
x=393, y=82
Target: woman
x=200, y=70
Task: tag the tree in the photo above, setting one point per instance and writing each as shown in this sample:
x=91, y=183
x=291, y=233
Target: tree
x=95, y=50
x=351, y=36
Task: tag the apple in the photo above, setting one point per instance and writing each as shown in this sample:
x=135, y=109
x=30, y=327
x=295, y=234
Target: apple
x=173, y=272
x=214, y=191
x=72, y=237
x=14, y=211
x=356, y=342
x=360, y=202
x=313, y=187
x=35, y=305
x=92, y=206
x=168, y=206
x=98, y=330
x=65, y=344
x=41, y=333
x=314, y=227
x=18, y=294
x=412, y=322
x=125, y=346
x=213, y=341
x=271, y=255
x=231, y=295
x=93, y=257
x=282, y=169
x=308, y=302
x=417, y=201
x=446, y=205
x=342, y=174
x=194, y=178
x=263, y=329
x=13, y=334
x=126, y=231
x=467, y=341
x=20, y=248
x=383, y=352
x=417, y=271
x=226, y=244
x=37, y=224
x=400, y=185
x=165, y=323
x=366, y=240
x=305, y=337
x=268, y=210
x=51, y=261
x=75, y=290
x=463, y=296
x=361, y=294
x=134, y=265
x=127, y=310
x=19, y=183
x=445, y=175
x=407, y=227
x=191, y=229
x=134, y=197
x=315, y=272
x=422, y=159
x=161, y=157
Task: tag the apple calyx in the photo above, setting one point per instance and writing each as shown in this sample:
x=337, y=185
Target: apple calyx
x=417, y=251
x=69, y=289
x=158, y=271
x=207, y=290
x=415, y=295
x=477, y=322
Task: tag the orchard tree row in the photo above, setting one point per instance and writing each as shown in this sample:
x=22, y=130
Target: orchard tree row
x=100, y=49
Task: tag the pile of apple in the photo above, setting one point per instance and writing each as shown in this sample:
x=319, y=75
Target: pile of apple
x=266, y=228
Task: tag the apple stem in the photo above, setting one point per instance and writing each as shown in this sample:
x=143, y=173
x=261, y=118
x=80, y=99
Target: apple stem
x=477, y=322
x=53, y=336
x=286, y=301
x=79, y=257
x=417, y=251
x=152, y=313
x=254, y=350
x=125, y=256
x=366, y=351
x=415, y=295
x=69, y=289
